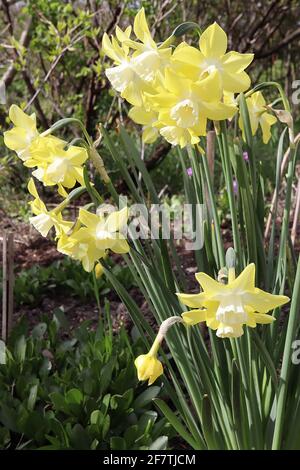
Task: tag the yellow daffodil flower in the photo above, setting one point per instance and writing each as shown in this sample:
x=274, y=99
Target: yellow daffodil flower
x=227, y=307
x=135, y=74
x=24, y=137
x=258, y=116
x=184, y=106
x=98, y=234
x=175, y=94
x=43, y=220
x=212, y=57
x=149, y=59
x=123, y=76
x=23, y=133
x=82, y=251
x=148, y=366
x=147, y=119
x=55, y=165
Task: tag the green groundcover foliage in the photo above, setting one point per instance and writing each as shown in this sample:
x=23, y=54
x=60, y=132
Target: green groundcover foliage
x=75, y=390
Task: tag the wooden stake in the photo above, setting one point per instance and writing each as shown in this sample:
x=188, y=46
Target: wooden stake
x=8, y=284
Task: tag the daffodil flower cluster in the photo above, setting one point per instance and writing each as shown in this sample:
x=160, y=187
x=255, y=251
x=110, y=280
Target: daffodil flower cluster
x=174, y=92
x=44, y=220
x=93, y=235
x=55, y=163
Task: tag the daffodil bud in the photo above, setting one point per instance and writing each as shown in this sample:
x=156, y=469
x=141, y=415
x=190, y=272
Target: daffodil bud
x=99, y=270
x=148, y=365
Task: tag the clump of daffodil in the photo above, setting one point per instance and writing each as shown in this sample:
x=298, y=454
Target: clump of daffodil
x=43, y=220
x=228, y=307
x=184, y=106
x=174, y=94
x=259, y=116
x=148, y=365
x=93, y=235
x=55, y=162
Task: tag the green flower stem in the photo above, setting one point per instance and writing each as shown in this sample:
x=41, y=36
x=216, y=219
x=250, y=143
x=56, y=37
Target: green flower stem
x=229, y=185
x=249, y=142
x=214, y=210
x=281, y=263
x=286, y=363
x=240, y=353
x=96, y=292
x=94, y=195
x=72, y=195
x=284, y=99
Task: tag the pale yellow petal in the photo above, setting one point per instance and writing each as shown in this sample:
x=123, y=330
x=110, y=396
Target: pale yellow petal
x=76, y=155
x=32, y=189
x=150, y=134
x=15, y=139
x=174, y=83
x=133, y=93
x=140, y=115
x=263, y=302
x=235, y=82
x=116, y=220
x=234, y=62
x=209, y=285
x=218, y=111
x=188, y=55
x=263, y=318
x=213, y=41
x=210, y=87
x=120, y=245
x=192, y=300
x=266, y=121
x=21, y=119
x=140, y=27
x=246, y=280
x=194, y=316
x=88, y=219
